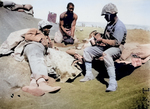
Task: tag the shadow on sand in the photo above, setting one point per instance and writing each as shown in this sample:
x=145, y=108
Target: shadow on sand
x=122, y=70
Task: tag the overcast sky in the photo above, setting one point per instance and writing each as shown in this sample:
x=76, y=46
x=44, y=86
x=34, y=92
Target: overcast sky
x=129, y=11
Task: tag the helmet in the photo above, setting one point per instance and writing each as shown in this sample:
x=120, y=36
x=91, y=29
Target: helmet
x=109, y=8
x=44, y=23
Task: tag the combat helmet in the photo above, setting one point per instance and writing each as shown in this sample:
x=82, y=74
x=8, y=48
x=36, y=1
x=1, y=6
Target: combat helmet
x=109, y=8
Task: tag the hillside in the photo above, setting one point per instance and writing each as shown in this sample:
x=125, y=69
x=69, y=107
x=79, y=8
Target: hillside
x=11, y=21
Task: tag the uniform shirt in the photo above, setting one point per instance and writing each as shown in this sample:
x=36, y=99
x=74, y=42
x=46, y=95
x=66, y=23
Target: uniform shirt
x=36, y=35
x=116, y=31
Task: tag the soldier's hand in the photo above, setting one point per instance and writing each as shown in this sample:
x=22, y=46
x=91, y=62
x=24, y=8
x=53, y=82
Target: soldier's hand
x=44, y=42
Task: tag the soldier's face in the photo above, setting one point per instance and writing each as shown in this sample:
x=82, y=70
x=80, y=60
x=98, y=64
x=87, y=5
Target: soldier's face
x=110, y=17
x=107, y=17
x=71, y=9
x=46, y=31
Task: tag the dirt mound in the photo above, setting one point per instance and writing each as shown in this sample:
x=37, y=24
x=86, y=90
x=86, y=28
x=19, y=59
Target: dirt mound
x=11, y=21
x=14, y=75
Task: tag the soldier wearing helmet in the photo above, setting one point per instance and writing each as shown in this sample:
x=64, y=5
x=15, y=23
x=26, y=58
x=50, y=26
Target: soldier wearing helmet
x=38, y=41
x=45, y=27
x=113, y=37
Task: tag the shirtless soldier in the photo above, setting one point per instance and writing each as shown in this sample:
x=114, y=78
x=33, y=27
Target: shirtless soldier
x=67, y=24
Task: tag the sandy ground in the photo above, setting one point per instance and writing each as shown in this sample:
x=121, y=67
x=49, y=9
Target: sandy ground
x=131, y=92
x=88, y=95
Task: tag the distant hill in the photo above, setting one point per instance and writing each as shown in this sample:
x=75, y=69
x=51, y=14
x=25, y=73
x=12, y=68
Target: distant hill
x=103, y=25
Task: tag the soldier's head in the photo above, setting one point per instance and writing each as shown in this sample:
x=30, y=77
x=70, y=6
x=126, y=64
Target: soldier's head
x=109, y=11
x=45, y=27
x=70, y=7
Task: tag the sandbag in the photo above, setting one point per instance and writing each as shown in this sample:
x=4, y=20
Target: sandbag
x=20, y=10
x=8, y=3
x=30, y=12
x=16, y=7
x=27, y=7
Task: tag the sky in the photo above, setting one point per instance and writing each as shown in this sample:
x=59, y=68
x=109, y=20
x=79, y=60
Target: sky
x=134, y=12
